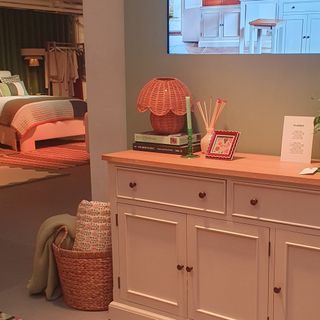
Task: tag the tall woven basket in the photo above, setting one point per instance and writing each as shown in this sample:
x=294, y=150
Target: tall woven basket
x=85, y=277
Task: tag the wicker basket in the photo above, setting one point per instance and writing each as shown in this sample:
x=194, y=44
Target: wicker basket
x=85, y=277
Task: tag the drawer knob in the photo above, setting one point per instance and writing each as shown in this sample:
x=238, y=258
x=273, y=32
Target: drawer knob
x=132, y=185
x=189, y=269
x=277, y=289
x=293, y=7
x=180, y=266
x=253, y=201
x=202, y=195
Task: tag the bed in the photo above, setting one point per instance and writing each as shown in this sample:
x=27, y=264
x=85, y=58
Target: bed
x=26, y=119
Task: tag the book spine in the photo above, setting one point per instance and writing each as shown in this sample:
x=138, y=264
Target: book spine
x=169, y=140
x=164, y=149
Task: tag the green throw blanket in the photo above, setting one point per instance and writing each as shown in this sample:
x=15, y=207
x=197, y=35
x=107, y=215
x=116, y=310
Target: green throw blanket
x=45, y=277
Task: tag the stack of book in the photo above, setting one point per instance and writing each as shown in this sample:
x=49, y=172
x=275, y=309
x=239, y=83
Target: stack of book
x=173, y=143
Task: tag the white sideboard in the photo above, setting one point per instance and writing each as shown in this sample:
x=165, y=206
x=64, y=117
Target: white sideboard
x=213, y=239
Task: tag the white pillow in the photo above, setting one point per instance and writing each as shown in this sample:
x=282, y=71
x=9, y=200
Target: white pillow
x=9, y=79
x=5, y=73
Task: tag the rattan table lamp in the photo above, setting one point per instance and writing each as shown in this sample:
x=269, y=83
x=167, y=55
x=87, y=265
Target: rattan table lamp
x=166, y=100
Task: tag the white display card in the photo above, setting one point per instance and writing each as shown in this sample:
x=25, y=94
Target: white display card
x=297, y=139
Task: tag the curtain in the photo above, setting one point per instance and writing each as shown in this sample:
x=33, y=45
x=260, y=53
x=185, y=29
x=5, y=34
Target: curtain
x=31, y=29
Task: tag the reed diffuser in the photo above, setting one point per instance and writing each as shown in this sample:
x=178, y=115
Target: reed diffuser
x=210, y=115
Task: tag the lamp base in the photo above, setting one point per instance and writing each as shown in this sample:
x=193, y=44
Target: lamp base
x=170, y=123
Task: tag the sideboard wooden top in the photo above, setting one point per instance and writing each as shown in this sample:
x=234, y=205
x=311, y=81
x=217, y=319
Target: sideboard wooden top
x=254, y=166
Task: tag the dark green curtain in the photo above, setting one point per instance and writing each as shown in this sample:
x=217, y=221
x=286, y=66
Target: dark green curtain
x=30, y=29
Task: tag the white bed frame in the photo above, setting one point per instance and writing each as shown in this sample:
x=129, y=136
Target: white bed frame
x=58, y=129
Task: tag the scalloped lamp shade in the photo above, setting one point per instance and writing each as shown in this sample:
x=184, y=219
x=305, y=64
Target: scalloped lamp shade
x=166, y=100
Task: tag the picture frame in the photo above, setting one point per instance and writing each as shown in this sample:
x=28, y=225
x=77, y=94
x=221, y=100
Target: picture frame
x=223, y=144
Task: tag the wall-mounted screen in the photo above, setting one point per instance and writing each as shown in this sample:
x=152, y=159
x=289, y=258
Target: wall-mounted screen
x=243, y=26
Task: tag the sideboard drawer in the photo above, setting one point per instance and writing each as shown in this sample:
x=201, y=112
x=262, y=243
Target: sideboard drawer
x=276, y=204
x=172, y=189
x=298, y=7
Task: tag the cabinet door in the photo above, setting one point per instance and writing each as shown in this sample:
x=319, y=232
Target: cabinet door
x=151, y=246
x=295, y=33
x=210, y=24
x=229, y=279
x=297, y=276
x=313, y=33
x=231, y=23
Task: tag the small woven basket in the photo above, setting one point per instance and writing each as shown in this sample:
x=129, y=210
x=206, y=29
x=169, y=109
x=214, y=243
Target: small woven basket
x=85, y=277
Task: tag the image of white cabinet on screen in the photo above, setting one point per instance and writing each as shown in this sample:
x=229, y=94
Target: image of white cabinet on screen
x=220, y=26
x=252, y=10
x=302, y=26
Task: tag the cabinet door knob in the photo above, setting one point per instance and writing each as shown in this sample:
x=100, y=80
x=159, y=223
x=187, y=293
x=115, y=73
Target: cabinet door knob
x=303, y=37
x=277, y=289
x=308, y=37
x=180, y=266
x=253, y=201
x=189, y=269
x=132, y=185
x=202, y=195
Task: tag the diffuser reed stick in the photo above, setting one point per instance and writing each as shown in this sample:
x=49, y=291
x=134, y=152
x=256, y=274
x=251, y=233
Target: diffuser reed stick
x=204, y=118
x=210, y=116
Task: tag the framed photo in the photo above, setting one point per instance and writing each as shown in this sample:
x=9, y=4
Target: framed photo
x=223, y=144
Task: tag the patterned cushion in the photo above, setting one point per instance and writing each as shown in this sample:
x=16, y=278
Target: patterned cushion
x=4, y=90
x=17, y=88
x=9, y=79
x=93, y=227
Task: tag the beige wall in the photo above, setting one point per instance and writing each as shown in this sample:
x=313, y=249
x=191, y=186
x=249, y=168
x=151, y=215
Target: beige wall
x=104, y=34
x=260, y=89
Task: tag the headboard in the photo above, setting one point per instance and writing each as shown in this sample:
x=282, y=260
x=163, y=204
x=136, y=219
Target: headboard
x=5, y=73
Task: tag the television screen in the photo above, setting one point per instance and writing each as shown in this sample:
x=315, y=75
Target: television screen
x=243, y=27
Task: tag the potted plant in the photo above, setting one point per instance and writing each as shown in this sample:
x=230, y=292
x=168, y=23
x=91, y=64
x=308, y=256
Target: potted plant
x=316, y=123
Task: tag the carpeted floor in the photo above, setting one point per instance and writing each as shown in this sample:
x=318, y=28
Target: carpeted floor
x=61, y=156
x=23, y=209
x=10, y=177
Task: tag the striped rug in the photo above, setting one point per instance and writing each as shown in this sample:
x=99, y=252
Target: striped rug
x=53, y=157
x=5, y=152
